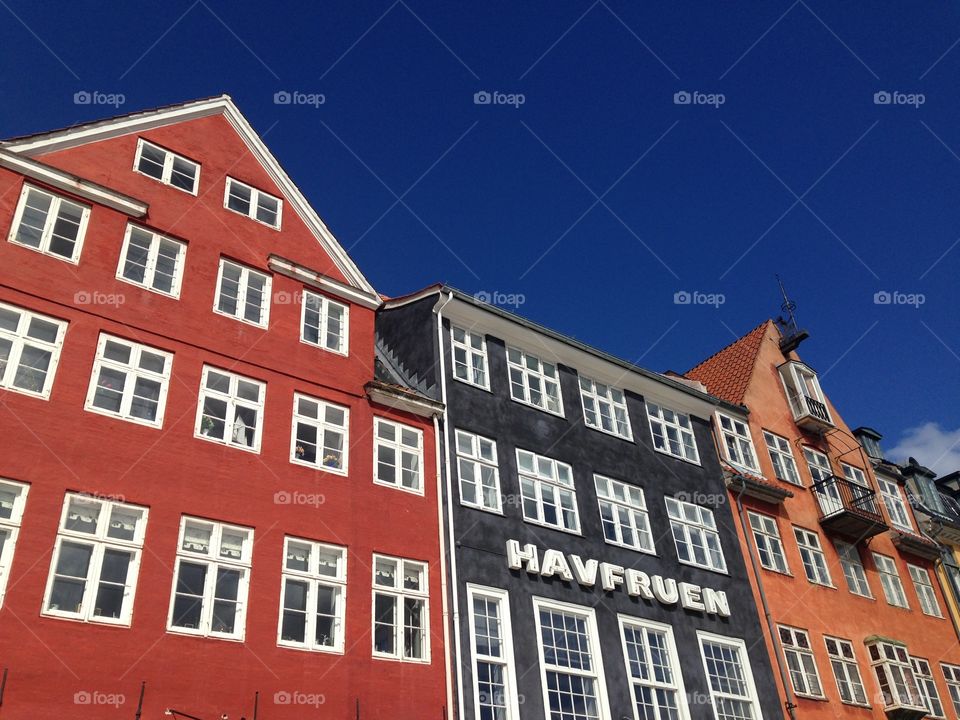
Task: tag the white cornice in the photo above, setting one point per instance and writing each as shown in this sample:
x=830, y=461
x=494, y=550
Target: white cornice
x=322, y=282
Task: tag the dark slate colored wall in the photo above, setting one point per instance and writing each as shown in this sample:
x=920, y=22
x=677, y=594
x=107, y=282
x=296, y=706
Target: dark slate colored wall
x=410, y=332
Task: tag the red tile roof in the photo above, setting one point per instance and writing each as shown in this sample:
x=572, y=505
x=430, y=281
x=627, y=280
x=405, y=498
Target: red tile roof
x=727, y=372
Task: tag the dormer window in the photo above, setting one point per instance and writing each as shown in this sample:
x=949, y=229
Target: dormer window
x=253, y=203
x=805, y=396
x=900, y=693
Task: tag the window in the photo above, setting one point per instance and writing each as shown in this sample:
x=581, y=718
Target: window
x=895, y=504
x=320, y=434
x=325, y=323
x=818, y=464
x=732, y=692
x=605, y=408
x=695, y=535
x=548, y=492
x=814, y=561
x=737, y=442
x=928, y=687
x=533, y=381
x=769, y=546
x=824, y=483
x=491, y=637
x=782, y=458
x=253, y=203
x=672, y=433
x=623, y=514
x=314, y=584
x=898, y=684
x=470, y=357
x=890, y=579
x=800, y=663
x=863, y=496
x=806, y=400
x=49, y=224
x=951, y=674
x=398, y=455
x=243, y=293
x=853, y=569
x=478, y=472
x=846, y=671
x=570, y=663
x=401, y=629
x=230, y=409
x=925, y=591
x=29, y=350
x=129, y=381
x=13, y=499
x=653, y=669
x=93, y=574
x=152, y=261
x=167, y=167
x=211, y=579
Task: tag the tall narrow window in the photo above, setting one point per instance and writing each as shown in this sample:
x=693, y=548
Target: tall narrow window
x=800, y=662
x=494, y=671
x=695, y=535
x=951, y=674
x=13, y=499
x=623, y=514
x=925, y=591
x=781, y=456
x=167, y=167
x=320, y=434
x=605, y=408
x=890, y=579
x=863, y=496
x=211, y=579
x=533, y=381
x=846, y=672
x=928, y=687
x=243, y=293
x=255, y=204
x=814, y=561
x=230, y=409
x=325, y=323
x=853, y=569
x=314, y=583
x=732, y=691
x=571, y=670
x=30, y=346
x=824, y=484
x=129, y=381
x=50, y=224
x=548, y=492
x=766, y=534
x=737, y=442
x=470, y=357
x=895, y=504
x=672, y=433
x=653, y=669
x=898, y=684
x=93, y=575
x=401, y=626
x=478, y=472
x=398, y=453
x=152, y=261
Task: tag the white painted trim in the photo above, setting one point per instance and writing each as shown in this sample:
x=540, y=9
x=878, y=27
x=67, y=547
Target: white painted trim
x=502, y=598
x=744, y=666
x=321, y=425
x=321, y=282
x=255, y=194
x=313, y=579
x=324, y=312
x=623, y=621
x=19, y=339
x=49, y=223
x=12, y=526
x=169, y=157
x=399, y=593
x=150, y=270
x=398, y=448
x=245, y=272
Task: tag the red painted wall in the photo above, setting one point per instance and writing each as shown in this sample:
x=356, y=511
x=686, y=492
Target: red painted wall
x=56, y=447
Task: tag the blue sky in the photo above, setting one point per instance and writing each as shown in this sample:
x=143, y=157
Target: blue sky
x=600, y=197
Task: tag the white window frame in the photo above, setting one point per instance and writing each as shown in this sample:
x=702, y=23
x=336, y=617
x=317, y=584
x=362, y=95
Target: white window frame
x=132, y=373
x=605, y=403
x=254, y=202
x=702, y=528
x=20, y=338
x=684, y=436
x=99, y=542
x=737, y=442
x=506, y=658
x=672, y=657
x=548, y=480
x=766, y=536
x=323, y=311
x=314, y=578
x=400, y=449
x=893, y=589
x=843, y=661
x=544, y=379
x=895, y=667
x=11, y=526
x=852, y=565
x=476, y=460
x=809, y=542
x=797, y=379
x=588, y=615
x=781, y=457
x=242, y=287
x=400, y=594
x=322, y=426
x=46, y=234
x=740, y=648
x=214, y=560
x=951, y=676
x=895, y=505
x=804, y=674
x=168, y=161
x=924, y=589
x=150, y=268
x=627, y=507
x=471, y=354
x=923, y=672
x=233, y=402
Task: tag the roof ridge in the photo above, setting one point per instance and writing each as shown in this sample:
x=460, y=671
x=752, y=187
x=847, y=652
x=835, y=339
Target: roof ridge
x=728, y=346
x=727, y=372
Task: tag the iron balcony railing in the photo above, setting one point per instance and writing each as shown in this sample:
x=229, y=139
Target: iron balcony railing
x=837, y=495
x=817, y=409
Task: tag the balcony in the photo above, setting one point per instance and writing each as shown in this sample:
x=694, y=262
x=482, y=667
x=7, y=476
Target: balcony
x=810, y=412
x=848, y=509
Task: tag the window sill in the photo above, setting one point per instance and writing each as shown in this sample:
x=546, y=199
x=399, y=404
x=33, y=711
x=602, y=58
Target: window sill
x=28, y=393
x=643, y=551
x=318, y=346
x=71, y=260
x=186, y=632
x=147, y=288
x=262, y=326
x=217, y=441
x=474, y=385
x=552, y=527
x=53, y=615
x=491, y=511
x=704, y=567
x=677, y=457
x=611, y=433
x=171, y=185
x=538, y=408
x=392, y=486
x=320, y=468
x=393, y=658
x=116, y=416
x=303, y=648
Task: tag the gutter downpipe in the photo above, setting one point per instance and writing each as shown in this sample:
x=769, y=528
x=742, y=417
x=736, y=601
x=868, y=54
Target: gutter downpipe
x=449, y=541
x=777, y=650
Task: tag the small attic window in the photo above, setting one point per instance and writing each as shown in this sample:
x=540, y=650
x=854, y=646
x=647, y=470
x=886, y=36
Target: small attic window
x=806, y=399
x=255, y=204
x=167, y=167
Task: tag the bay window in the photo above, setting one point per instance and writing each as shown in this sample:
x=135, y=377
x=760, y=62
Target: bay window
x=894, y=672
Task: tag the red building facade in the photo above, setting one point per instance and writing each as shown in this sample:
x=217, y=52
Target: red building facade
x=205, y=494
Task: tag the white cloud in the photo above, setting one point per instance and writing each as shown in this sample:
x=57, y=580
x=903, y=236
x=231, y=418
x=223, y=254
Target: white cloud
x=931, y=445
